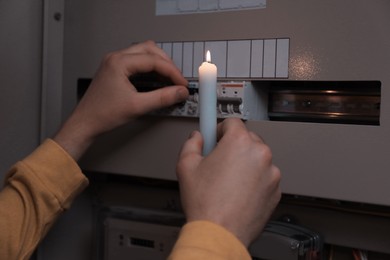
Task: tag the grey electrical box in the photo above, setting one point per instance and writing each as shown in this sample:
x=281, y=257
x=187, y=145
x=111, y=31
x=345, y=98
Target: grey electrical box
x=133, y=233
x=284, y=241
x=124, y=239
x=296, y=43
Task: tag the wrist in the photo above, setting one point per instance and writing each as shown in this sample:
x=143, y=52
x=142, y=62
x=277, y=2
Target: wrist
x=74, y=139
x=213, y=237
x=242, y=235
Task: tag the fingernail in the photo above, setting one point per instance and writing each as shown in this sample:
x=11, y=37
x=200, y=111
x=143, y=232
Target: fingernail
x=181, y=94
x=192, y=134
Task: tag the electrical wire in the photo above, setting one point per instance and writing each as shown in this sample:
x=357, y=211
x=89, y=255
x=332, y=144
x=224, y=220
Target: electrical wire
x=331, y=252
x=363, y=255
x=359, y=254
x=337, y=205
x=356, y=254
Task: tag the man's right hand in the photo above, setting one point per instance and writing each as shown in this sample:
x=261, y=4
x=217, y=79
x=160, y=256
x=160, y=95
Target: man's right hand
x=235, y=186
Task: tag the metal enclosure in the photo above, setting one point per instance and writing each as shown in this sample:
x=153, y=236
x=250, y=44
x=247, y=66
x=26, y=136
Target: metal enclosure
x=20, y=77
x=46, y=46
x=329, y=41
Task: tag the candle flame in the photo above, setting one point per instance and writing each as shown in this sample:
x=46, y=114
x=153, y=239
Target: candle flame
x=208, y=56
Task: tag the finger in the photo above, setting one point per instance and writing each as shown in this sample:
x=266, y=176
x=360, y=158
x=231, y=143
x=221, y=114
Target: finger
x=138, y=63
x=148, y=47
x=193, y=146
x=190, y=154
x=256, y=137
x=159, y=98
x=230, y=125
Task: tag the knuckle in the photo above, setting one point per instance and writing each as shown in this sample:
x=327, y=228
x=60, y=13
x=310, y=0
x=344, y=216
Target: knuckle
x=149, y=43
x=275, y=183
x=277, y=175
x=242, y=136
x=181, y=167
x=278, y=195
x=165, y=98
x=232, y=119
x=265, y=152
x=111, y=59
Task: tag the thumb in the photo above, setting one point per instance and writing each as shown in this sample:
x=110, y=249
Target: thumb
x=160, y=98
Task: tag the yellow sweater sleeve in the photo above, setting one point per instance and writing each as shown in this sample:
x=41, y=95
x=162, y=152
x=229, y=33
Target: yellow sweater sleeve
x=37, y=190
x=206, y=240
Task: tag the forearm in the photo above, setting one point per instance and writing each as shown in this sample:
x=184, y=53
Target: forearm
x=37, y=191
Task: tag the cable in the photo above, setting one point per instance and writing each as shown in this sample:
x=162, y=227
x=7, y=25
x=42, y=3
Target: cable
x=356, y=254
x=331, y=252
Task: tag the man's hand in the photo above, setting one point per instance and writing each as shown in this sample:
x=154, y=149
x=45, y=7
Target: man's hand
x=236, y=186
x=111, y=100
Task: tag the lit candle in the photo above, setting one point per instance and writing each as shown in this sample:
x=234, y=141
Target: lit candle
x=208, y=104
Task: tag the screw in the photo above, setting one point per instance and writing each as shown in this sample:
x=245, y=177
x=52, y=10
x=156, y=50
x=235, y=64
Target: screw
x=294, y=245
x=57, y=16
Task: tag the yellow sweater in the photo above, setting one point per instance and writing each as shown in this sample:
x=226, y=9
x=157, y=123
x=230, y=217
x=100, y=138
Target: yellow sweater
x=43, y=185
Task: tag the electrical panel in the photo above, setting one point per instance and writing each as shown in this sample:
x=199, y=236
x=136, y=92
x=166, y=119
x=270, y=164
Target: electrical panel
x=286, y=57
x=318, y=139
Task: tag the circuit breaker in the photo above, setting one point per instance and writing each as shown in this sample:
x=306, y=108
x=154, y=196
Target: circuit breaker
x=234, y=99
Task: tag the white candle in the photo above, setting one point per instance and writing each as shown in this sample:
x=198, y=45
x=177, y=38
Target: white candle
x=208, y=104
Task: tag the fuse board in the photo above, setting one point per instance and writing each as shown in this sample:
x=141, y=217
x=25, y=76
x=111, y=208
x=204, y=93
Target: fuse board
x=234, y=99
